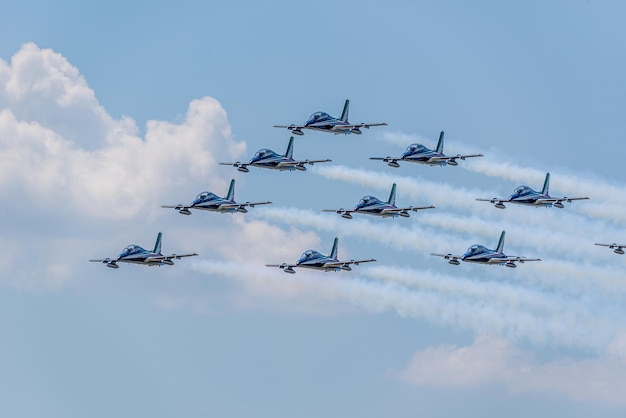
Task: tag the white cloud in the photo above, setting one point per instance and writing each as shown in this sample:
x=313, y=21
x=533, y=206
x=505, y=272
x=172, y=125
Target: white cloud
x=115, y=175
x=496, y=361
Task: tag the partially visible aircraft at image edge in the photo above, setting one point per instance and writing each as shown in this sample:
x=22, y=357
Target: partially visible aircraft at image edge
x=209, y=201
x=266, y=158
x=135, y=254
x=322, y=121
x=418, y=153
x=371, y=205
x=617, y=248
x=312, y=259
x=524, y=195
x=480, y=254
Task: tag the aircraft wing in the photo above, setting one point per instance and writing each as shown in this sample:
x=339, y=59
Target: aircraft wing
x=448, y=158
x=448, y=256
x=106, y=260
x=361, y=125
x=347, y=263
x=601, y=245
x=494, y=201
x=339, y=211
x=243, y=205
x=290, y=127
x=294, y=163
x=560, y=199
x=177, y=207
x=237, y=164
x=169, y=257
x=512, y=259
x=408, y=209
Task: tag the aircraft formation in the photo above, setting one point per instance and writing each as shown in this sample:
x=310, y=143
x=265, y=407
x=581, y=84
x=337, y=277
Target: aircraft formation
x=368, y=205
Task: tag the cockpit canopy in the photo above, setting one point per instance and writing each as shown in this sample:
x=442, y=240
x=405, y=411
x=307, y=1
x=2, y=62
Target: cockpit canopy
x=522, y=191
x=309, y=255
x=415, y=148
x=318, y=117
x=205, y=196
x=368, y=200
x=264, y=153
x=131, y=249
x=476, y=249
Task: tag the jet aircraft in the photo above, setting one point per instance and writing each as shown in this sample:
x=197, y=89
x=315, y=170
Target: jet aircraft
x=266, y=158
x=482, y=255
x=370, y=205
x=617, y=248
x=418, y=153
x=312, y=259
x=322, y=121
x=524, y=195
x=211, y=202
x=137, y=255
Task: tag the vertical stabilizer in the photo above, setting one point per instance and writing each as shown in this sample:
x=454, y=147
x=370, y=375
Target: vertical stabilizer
x=500, y=246
x=546, y=185
x=289, y=152
x=440, y=143
x=157, y=244
x=392, y=195
x=333, y=252
x=231, y=191
x=344, y=114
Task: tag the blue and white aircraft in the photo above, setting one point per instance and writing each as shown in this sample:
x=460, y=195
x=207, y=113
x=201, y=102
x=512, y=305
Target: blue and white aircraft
x=370, y=205
x=483, y=255
x=312, y=259
x=266, y=158
x=524, y=195
x=617, y=248
x=418, y=153
x=137, y=255
x=211, y=202
x=322, y=121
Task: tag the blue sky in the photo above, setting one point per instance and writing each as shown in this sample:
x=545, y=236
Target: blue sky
x=109, y=111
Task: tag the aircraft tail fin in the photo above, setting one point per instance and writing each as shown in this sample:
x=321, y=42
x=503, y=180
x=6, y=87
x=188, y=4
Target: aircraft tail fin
x=392, y=195
x=157, y=244
x=344, y=114
x=500, y=246
x=546, y=185
x=333, y=252
x=289, y=152
x=231, y=191
x=440, y=143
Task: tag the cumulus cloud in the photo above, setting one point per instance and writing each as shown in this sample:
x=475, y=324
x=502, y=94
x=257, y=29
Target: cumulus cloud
x=496, y=361
x=107, y=170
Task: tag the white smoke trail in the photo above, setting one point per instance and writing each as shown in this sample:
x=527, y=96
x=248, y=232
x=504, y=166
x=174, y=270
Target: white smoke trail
x=386, y=231
x=520, y=316
x=607, y=200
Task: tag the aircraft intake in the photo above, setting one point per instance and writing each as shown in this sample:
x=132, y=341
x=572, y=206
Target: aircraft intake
x=300, y=167
x=500, y=205
x=289, y=270
x=346, y=268
x=184, y=212
x=454, y=262
x=558, y=205
x=393, y=164
x=297, y=132
x=356, y=131
x=243, y=169
x=168, y=262
x=346, y=215
x=404, y=214
x=113, y=265
x=242, y=210
x=511, y=264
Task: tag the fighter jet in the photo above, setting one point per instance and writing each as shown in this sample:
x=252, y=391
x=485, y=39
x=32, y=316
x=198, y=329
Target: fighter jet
x=211, y=202
x=418, y=153
x=370, y=205
x=482, y=255
x=524, y=195
x=322, y=121
x=312, y=259
x=137, y=255
x=266, y=158
x=617, y=248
